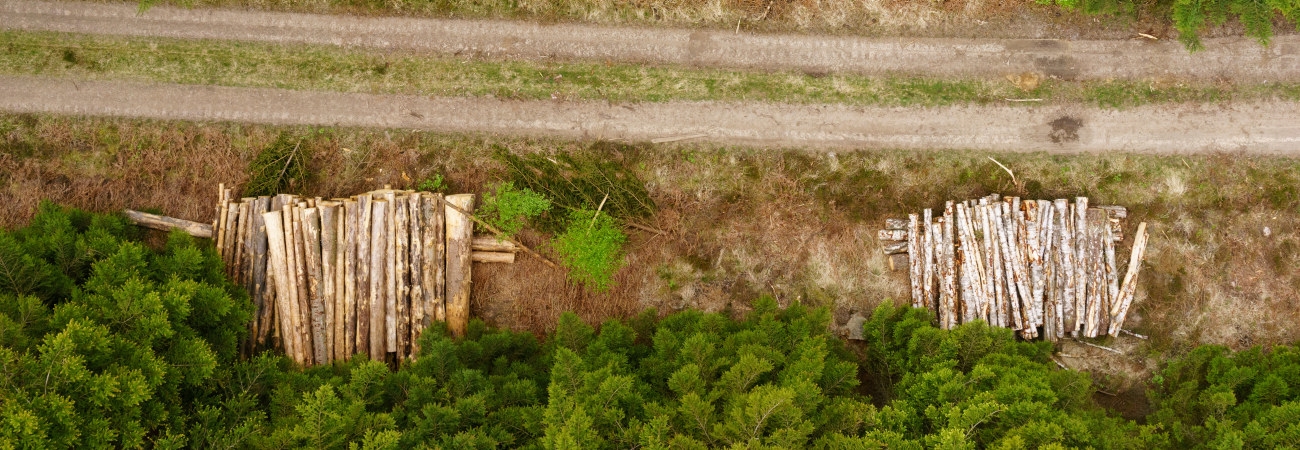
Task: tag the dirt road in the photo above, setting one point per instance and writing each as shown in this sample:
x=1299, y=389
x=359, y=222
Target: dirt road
x=1236, y=59
x=1261, y=128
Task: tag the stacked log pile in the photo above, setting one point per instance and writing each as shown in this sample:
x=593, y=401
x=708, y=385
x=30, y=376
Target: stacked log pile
x=356, y=276
x=1043, y=268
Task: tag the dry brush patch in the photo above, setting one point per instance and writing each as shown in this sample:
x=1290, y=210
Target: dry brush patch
x=732, y=223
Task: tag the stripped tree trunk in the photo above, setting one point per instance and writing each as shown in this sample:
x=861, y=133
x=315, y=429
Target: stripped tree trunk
x=315, y=272
x=403, y=294
x=435, y=258
x=280, y=275
x=1081, y=262
x=351, y=234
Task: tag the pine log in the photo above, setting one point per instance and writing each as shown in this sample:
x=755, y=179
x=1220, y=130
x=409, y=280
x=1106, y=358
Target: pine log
x=219, y=224
x=379, y=279
x=435, y=258
x=927, y=260
x=331, y=271
x=402, y=294
x=416, y=257
x=311, y=227
x=913, y=260
x=291, y=277
x=1126, y=293
x=350, y=235
x=365, y=224
x=895, y=224
x=242, y=210
x=278, y=257
x=258, y=254
x=304, y=284
x=892, y=235
x=390, y=272
x=460, y=232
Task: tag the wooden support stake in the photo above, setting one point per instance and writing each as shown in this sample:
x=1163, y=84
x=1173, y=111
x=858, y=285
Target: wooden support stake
x=459, y=234
x=1125, y=297
x=379, y=280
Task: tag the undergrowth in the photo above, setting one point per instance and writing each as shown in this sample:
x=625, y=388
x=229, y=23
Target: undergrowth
x=279, y=168
x=583, y=180
x=508, y=208
x=591, y=246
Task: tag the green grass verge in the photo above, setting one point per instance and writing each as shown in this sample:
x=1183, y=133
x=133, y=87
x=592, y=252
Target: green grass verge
x=329, y=68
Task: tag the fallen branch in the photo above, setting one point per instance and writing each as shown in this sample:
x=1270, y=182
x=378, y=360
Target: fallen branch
x=1100, y=347
x=1130, y=333
x=498, y=232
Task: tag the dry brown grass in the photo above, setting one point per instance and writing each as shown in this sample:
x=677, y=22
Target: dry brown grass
x=736, y=222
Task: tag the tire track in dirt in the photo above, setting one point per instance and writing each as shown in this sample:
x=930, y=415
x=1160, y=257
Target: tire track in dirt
x=1257, y=127
x=1237, y=59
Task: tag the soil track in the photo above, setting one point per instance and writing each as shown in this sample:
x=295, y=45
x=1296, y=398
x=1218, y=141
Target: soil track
x=1260, y=127
x=1236, y=59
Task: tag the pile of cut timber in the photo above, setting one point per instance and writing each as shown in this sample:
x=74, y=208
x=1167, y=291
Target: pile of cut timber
x=357, y=276
x=1042, y=268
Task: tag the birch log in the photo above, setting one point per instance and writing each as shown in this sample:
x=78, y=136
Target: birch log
x=1065, y=254
x=895, y=224
x=311, y=227
x=914, y=259
x=1095, y=221
x=1033, y=256
x=329, y=246
x=403, y=295
x=927, y=260
x=435, y=262
x=460, y=231
x=1125, y=298
x=350, y=235
x=416, y=256
x=949, y=305
x=363, y=300
x=1112, y=276
x=278, y=258
x=378, y=279
x=1018, y=288
x=892, y=235
x=992, y=216
x=1080, y=209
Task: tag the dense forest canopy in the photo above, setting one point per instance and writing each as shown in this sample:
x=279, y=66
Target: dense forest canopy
x=106, y=342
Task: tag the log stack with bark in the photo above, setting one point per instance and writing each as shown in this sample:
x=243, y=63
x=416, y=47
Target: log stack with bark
x=1042, y=268
x=363, y=275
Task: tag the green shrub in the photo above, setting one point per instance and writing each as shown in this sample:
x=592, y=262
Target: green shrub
x=591, y=246
x=279, y=168
x=1191, y=17
x=582, y=180
x=508, y=208
x=435, y=183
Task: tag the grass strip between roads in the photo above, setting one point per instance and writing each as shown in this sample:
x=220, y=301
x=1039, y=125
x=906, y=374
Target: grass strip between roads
x=326, y=68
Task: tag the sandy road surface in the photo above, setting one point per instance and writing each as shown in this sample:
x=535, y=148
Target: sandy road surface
x=1231, y=58
x=1262, y=127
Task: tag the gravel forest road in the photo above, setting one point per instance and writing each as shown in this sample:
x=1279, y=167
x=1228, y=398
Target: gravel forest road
x=1256, y=128
x=1237, y=59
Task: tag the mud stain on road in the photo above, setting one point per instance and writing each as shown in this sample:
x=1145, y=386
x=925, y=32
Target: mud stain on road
x=1065, y=129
